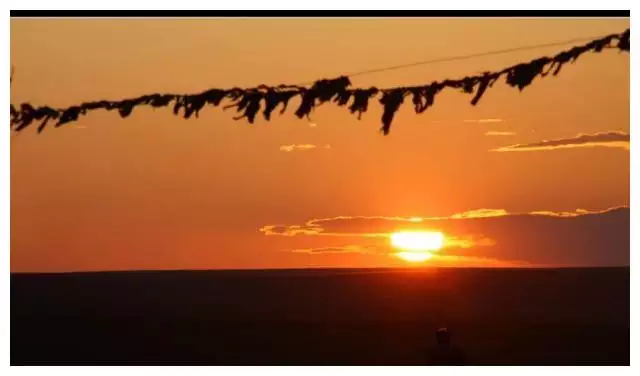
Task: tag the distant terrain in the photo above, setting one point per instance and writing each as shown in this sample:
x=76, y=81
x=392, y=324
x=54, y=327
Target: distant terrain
x=320, y=317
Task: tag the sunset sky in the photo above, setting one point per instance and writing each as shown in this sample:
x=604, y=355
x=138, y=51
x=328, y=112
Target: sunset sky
x=532, y=178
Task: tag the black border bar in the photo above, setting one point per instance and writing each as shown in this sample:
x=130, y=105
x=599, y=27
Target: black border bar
x=319, y=13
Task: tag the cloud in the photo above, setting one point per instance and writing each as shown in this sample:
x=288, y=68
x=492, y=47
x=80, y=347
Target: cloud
x=575, y=213
x=381, y=226
x=351, y=248
x=436, y=260
x=385, y=248
x=613, y=139
x=499, y=133
x=292, y=230
x=467, y=241
x=480, y=213
x=294, y=147
x=319, y=226
x=302, y=147
x=484, y=121
x=561, y=238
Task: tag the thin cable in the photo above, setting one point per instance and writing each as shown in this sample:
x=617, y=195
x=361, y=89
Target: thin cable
x=463, y=57
x=248, y=102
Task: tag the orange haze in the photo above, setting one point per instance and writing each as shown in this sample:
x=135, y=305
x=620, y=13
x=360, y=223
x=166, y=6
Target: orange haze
x=154, y=191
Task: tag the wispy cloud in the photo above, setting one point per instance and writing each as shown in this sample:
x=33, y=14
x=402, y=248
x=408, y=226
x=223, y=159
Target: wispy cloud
x=319, y=226
x=302, y=147
x=351, y=248
x=297, y=147
x=613, y=139
x=575, y=213
x=499, y=133
x=291, y=230
x=480, y=213
x=484, y=121
x=544, y=237
x=381, y=226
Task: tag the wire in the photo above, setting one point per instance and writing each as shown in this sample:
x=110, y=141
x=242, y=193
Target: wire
x=461, y=57
x=248, y=102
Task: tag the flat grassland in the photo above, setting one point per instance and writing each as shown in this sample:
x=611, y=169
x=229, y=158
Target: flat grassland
x=320, y=317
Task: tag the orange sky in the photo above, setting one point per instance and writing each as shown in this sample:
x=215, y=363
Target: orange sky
x=154, y=191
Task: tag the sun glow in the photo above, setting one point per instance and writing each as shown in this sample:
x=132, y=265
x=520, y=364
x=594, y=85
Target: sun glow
x=414, y=256
x=417, y=246
x=417, y=240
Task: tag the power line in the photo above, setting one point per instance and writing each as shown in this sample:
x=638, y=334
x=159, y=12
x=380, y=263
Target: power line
x=463, y=57
x=248, y=101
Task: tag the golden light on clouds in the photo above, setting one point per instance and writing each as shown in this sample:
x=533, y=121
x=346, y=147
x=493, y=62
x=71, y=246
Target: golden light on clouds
x=611, y=139
x=480, y=213
x=294, y=147
x=499, y=133
x=483, y=121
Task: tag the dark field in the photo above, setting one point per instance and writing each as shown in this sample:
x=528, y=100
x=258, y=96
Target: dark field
x=320, y=317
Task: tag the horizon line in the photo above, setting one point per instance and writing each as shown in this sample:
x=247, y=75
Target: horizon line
x=380, y=268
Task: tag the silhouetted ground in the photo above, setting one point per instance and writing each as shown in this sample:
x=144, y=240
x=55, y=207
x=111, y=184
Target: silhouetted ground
x=320, y=317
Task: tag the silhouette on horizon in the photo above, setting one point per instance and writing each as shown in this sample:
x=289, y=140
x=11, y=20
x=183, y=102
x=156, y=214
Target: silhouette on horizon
x=444, y=354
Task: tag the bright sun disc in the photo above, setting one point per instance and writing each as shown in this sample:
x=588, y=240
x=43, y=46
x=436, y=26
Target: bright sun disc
x=417, y=240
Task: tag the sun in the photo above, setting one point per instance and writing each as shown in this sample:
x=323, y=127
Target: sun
x=417, y=246
x=417, y=240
